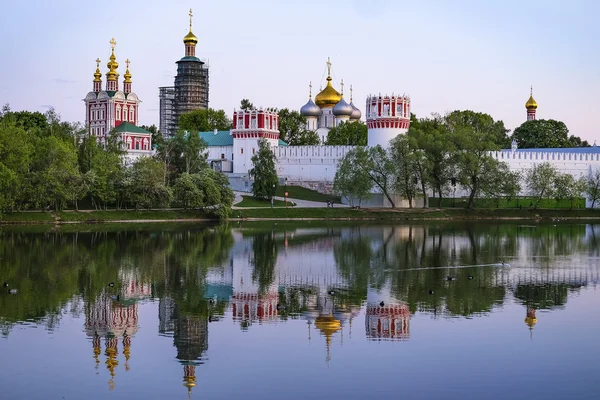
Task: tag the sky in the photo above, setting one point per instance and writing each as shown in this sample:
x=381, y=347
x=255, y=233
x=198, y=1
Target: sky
x=446, y=55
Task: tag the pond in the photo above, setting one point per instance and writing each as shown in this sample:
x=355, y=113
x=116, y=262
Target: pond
x=319, y=311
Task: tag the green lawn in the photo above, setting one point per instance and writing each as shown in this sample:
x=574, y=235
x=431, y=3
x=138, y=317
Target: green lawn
x=25, y=217
x=300, y=193
x=249, y=201
x=519, y=202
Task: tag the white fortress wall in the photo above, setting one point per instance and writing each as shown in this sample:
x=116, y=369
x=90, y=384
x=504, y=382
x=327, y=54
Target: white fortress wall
x=309, y=163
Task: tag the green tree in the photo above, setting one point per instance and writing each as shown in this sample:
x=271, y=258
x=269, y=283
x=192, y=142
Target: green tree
x=204, y=121
x=545, y=133
x=246, y=105
x=540, y=181
x=263, y=172
x=292, y=129
x=592, y=186
x=144, y=184
x=350, y=182
x=189, y=152
x=186, y=192
x=499, y=182
x=403, y=158
x=348, y=134
x=566, y=187
x=473, y=136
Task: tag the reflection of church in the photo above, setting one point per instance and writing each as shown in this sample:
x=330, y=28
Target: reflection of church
x=115, y=319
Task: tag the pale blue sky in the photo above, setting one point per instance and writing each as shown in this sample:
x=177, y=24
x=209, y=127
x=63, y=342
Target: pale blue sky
x=462, y=54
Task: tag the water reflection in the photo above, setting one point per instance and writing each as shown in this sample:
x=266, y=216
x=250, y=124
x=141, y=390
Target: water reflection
x=252, y=276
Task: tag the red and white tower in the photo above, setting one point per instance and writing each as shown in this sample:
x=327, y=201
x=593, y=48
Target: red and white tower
x=387, y=117
x=531, y=106
x=249, y=126
x=115, y=109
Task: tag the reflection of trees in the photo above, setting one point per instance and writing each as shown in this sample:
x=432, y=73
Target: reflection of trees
x=49, y=269
x=264, y=246
x=545, y=296
x=353, y=259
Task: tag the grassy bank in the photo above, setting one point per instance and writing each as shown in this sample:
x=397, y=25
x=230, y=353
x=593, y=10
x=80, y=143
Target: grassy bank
x=296, y=213
x=249, y=201
x=301, y=193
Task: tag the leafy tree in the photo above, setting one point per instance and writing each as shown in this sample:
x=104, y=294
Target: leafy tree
x=566, y=187
x=351, y=182
x=473, y=136
x=187, y=193
x=540, y=181
x=592, y=188
x=545, y=133
x=189, y=152
x=292, y=129
x=204, y=121
x=403, y=158
x=348, y=134
x=263, y=172
x=246, y=105
x=144, y=184
x=217, y=195
x=430, y=138
x=499, y=182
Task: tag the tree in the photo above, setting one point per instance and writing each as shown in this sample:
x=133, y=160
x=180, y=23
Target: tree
x=187, y=193
x=189, y=152
x=204, y=121
x=351, y=182
x=499, y=182
x=246, y=105
x=545, y=133
x=292, y=129
x=592, y=188
x=263, y=172
x=348, y=134
x=403, y=158
x=566, y=187
x=145, y=187
x=473, y=136
x=540, y=181
x=430, y=139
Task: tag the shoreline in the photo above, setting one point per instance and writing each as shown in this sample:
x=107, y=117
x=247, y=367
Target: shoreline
x=294, y=214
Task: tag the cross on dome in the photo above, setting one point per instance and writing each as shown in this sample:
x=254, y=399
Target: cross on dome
x=342, y=86
x=350, y=93
x=97, y=62
x=127, y=63
x=328, y=67
x=113, y=43
x=191, y=15
x=310, y=90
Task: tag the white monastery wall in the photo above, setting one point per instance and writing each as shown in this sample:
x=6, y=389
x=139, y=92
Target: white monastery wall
x=309, y=163
x=220, y=153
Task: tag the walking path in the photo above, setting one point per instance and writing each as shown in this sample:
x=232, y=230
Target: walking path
x=299, y=203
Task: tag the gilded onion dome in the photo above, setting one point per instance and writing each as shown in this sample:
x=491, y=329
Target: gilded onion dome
x=97, y=74
x=531, y=103
x=310, y=109
x=127, y=74
x=190, y=38
x=328, y=97
x=342, y=109
x=112, y=65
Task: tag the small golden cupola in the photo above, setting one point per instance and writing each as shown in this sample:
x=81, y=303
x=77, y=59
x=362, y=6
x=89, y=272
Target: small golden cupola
x=190, y=40
x=328, y=97
x=97, y=77
x=127, y=80
x=531, y=103
x=112, y=76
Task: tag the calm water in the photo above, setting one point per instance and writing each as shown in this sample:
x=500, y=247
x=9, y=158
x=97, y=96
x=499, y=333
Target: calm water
x=282, y=311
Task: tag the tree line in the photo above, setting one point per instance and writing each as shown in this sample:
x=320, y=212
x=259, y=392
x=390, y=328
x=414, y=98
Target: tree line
x=442, y=152
x=46, y=163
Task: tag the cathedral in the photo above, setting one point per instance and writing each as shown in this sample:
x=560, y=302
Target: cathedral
x=329, y=108
x=114, y=110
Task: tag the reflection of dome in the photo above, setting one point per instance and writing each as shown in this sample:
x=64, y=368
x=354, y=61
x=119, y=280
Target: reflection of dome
x=530, y=319
x=310, y=109
x=342, y=109
x=328, y=97
x=328, y=325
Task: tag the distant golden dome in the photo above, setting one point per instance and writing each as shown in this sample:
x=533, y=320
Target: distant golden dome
x=190, y=38
x=328, y=97
x=531, y=104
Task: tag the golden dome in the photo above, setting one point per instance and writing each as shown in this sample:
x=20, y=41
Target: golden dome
x=127, y=74
x=328, y=97
x=112, y=65
x=531, y=103
x=190, y=38
x=97, y=74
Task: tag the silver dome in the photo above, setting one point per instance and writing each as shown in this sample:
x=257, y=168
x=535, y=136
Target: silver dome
x=342, y=109
x=356, y=114
x=310, y=109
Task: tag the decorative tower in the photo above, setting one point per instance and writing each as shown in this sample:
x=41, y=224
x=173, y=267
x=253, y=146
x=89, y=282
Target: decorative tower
x=191, y=82
x=387, y=117
x=249, y=127
x=127, y=80
x=311, y=111
x=112, y=76
x=531, y=106
x=97, y=77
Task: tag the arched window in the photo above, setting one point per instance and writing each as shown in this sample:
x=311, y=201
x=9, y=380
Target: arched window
x=132, y=115
x=137, y=145
x=118, y=116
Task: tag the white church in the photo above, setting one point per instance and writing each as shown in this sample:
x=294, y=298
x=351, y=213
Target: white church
x=387, y=116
